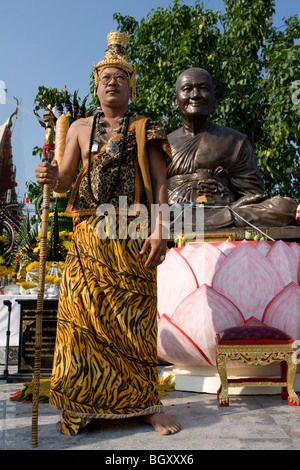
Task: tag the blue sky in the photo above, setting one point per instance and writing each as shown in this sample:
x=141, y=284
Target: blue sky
x=54, y=43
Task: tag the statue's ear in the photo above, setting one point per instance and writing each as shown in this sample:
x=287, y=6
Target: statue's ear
x=174, y=101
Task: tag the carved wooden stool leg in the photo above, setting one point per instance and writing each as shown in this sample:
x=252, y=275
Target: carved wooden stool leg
x=284, y=369
x=223, y=390
x=293, y=399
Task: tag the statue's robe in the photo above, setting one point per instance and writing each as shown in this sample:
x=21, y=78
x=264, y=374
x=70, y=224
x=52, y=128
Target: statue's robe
x=218, y=167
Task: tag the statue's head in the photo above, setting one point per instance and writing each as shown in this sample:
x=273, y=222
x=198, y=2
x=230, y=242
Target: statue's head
x=194, y=96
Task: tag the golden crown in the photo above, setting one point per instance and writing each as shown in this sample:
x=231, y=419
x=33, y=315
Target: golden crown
x=115, y=56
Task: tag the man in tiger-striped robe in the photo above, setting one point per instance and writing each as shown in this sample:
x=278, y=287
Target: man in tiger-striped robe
x=105, y=356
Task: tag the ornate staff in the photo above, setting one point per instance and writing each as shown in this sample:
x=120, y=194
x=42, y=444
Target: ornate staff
x=48, y=152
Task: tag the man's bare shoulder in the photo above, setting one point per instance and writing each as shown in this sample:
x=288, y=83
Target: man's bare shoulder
x=82, y=122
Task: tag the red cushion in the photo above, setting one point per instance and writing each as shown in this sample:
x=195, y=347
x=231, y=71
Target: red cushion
x=253, y=332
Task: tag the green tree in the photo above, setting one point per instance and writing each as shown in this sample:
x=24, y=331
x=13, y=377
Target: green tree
x=60, y=101
x=254, y=66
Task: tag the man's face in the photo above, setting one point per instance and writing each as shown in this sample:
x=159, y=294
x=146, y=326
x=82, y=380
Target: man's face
x=113, y=88
x=195, y=96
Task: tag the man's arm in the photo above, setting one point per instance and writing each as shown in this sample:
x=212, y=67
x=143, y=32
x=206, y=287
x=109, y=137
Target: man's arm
x=156, y=243
x=60, y=178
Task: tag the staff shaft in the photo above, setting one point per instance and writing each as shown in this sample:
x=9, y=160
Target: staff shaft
x=39, y=316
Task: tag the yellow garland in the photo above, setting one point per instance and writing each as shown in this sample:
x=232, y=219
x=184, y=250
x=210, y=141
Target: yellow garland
x=66, y=244
x=36, y=265
x=65, y=235
x=53, y=280
x=26, y=285
x=62, y=235
x=60, y=214
x=5, y=271
x=49, y=265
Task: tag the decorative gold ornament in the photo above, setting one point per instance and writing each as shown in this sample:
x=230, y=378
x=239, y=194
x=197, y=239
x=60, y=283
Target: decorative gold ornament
x=115, y=56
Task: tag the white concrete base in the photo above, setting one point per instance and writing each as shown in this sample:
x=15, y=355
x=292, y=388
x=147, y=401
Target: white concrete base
x=206, y=379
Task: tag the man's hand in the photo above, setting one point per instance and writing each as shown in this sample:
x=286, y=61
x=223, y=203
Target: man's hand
x=47, y=173
x=156, y=246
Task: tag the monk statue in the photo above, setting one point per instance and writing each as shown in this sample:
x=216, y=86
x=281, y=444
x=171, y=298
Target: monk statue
x=216, y=165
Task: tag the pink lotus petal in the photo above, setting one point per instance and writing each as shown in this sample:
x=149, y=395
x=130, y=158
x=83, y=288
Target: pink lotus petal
x=226, y=247
x=205, y=261
x=284, y=261
x=295, y=247
x=248, y=279
x=263, y=247
x=203, y=314
x=188, y=251
x=174, y=346
x=283, y=311
x=175, y=280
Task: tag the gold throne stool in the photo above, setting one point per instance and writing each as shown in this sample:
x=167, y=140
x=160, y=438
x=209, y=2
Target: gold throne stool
x=257, y=344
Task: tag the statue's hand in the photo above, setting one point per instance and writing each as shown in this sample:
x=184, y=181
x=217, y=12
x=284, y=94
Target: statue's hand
x=248, y=199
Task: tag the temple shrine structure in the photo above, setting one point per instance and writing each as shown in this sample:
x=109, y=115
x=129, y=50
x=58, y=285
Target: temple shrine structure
x=8, y=182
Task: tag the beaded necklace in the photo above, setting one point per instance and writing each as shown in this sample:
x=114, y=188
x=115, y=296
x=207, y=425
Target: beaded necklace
x=112, y=148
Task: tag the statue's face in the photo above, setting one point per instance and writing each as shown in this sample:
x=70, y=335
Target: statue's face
x=195, y=95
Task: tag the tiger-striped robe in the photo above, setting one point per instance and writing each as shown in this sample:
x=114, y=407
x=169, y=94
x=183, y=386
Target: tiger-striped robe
x=105, y=356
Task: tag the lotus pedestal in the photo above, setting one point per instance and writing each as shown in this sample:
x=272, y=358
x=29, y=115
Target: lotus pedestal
x=207, y=380
x=206, y=288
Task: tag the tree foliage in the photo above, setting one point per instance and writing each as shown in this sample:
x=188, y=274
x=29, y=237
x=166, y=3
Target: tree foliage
x=254, y=65
x=59, y=101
